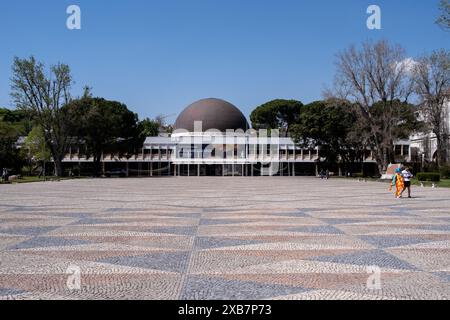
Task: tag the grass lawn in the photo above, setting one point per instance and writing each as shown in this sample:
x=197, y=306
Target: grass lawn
x=37, y=179
x=444, y=183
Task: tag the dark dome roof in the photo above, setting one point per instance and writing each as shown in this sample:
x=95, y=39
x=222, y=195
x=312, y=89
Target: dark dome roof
x=214, y=114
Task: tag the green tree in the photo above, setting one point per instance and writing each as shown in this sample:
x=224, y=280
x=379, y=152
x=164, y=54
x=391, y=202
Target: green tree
x=20, y=119
x=34, y=149
x=14, y=124
x=9, y=153
x=148, y=128
x=43, y=94
x=341, y=134
x=330, y=125
x=403, y=120
x=276, y=114
x=104, y=126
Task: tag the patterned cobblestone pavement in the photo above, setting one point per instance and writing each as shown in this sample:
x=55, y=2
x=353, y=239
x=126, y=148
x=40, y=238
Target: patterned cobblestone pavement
x=222, y=238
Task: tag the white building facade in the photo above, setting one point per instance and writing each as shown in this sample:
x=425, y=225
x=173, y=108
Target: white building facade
x=212, y=138
x=424, y=145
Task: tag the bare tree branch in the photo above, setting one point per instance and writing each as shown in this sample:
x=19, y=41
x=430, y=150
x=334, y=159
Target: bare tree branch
x=43, y=97
x=371, y=74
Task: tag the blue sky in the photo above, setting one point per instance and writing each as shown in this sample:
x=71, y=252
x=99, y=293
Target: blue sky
x=159, y=56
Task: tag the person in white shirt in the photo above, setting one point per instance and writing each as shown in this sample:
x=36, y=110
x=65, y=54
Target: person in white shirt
x=407, y=176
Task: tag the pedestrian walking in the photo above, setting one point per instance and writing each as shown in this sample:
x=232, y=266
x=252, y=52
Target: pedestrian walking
x=407, y=176
x=398, y=183
x=322, y=174
x=4, y=175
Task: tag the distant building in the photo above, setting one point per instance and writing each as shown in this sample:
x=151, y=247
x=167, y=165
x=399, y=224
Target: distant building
x=212, y=138
x=424, y=144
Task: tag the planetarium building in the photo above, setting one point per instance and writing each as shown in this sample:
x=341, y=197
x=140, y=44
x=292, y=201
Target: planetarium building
x=212, y=137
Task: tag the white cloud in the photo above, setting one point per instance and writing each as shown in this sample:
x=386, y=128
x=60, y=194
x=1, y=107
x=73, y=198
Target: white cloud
x=408, y=65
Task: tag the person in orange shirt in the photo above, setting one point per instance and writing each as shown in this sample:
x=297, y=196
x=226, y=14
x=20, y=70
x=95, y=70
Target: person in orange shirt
x=398, y=182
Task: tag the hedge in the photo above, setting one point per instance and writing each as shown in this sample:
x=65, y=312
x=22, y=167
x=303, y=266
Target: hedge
x=445, y=172
x=429, y=176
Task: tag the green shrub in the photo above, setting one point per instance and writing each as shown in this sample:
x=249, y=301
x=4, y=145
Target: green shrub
x=429, y=176
x=445, y=172
x=358, y=175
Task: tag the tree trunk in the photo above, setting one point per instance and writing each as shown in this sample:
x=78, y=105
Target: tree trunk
x=381, y=158
x=97, y=165
x=97, y=168
x=59, y=172
x=57, y=158
x=441, y=152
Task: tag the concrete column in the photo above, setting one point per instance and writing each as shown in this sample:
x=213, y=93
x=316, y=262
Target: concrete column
x=168, y=163
x=198, y=170
x=242, y=170
x=151, y=169
x=232, y=170
x=223, y=170
x=293, y=169
x=317, y=169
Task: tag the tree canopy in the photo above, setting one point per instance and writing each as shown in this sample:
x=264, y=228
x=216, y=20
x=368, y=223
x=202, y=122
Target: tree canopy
x=148, y=128
x=42, y=93
x=13, y=125
x=329, y=125
x=375, y=74
x=103, y=126
x=276, y=114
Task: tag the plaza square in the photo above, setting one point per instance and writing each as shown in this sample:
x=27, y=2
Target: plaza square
x=222, y=238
